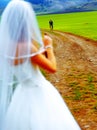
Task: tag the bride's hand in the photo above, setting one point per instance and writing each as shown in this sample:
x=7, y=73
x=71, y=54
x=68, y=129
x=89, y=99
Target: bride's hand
x=47, y=40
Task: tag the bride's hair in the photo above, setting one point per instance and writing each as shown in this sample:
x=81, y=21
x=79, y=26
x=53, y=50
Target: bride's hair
x=19, y=17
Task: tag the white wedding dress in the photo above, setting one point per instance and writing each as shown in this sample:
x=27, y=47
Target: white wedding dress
x=36, y=104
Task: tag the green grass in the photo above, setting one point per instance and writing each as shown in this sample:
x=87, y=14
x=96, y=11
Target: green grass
x=81, y=23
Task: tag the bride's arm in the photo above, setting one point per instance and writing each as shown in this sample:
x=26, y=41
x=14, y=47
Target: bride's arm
x=49, y=62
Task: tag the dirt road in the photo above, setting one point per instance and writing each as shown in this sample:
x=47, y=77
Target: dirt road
x=76, y=76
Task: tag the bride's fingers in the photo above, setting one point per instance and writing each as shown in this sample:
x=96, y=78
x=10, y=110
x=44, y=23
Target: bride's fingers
x=47, y=40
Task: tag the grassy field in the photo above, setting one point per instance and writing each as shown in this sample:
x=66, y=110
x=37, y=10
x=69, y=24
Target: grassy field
x=81, y=23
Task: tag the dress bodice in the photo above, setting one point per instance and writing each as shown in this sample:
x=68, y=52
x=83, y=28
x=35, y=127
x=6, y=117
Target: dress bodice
x=28, y=71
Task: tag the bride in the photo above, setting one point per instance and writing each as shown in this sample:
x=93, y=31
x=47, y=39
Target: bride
x=27, y=100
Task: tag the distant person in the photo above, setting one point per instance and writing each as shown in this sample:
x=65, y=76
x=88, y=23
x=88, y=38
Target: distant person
x=51, y=24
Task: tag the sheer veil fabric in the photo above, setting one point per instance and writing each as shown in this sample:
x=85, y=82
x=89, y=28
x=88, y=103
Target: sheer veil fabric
x=14, y=31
